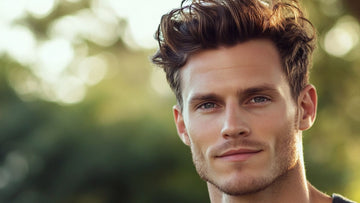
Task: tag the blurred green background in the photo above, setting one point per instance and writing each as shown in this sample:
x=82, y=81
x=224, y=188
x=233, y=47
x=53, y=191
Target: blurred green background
x=85, y=117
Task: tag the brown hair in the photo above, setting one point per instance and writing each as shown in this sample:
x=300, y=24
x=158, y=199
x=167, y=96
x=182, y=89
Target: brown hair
x=208, y=24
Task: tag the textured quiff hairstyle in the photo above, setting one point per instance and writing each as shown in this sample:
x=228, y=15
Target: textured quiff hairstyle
x=207, y=24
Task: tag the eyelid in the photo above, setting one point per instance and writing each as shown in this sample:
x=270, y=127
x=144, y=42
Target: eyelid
x=205, y=102
x=268, y=99
x=201, y=104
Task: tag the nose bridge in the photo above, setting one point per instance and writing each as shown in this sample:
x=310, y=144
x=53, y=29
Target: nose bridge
x=234, y=123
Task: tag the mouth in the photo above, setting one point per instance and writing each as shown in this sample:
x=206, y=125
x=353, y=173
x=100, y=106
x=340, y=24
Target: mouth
x=239, y=154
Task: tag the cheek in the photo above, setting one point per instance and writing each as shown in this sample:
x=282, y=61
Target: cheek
x=281, y=132
x=203, y=132
x=275, y=125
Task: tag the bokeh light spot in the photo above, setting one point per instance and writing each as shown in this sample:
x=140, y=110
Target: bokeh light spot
x=19, y=43
x=159, y=83
x=11, y=10
x=344, y=36
x=92, y=69
x=40, y=8
x=54, y=56
x=71, y=90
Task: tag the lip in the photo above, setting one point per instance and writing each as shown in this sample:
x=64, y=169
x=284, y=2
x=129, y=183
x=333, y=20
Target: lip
x=238, y=154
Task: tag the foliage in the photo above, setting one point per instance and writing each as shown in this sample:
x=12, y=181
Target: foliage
x=119, y=144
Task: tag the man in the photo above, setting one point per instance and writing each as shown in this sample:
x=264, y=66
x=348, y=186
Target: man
x=239, y=70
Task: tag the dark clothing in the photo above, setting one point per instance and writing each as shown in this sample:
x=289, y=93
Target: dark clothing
x=340, y=199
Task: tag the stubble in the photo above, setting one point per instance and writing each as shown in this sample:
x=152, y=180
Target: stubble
x=286, y=157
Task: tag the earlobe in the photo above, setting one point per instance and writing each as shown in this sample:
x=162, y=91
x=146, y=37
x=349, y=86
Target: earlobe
x=180, y=125
x=307, y=102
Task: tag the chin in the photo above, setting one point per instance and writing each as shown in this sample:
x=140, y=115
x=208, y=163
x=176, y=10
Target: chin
x=240, y=187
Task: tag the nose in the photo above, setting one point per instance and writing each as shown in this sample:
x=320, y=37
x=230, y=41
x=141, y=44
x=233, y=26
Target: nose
x=234, y=124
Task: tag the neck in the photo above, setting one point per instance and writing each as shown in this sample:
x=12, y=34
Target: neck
x=291, y=187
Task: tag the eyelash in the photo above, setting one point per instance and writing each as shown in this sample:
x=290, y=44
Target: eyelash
x=202, y=106
x=252, y=100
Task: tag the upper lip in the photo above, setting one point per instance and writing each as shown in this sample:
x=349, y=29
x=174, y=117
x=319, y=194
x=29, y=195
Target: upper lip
x=239, y=151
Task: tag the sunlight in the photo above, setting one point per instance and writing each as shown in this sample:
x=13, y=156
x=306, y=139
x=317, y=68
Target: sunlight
x=25, y=84
x=343, y=37
x=86, y=24
x=53, y=57
x=11, y=10
x=142, y=28
x=65, y=90
x=158, y=82
x=70, y=90
x=19, y=43
x=92, y=70
x=40, y=8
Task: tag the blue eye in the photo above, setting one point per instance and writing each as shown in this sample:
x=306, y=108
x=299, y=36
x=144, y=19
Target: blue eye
x=207, y=105
x=259, y=99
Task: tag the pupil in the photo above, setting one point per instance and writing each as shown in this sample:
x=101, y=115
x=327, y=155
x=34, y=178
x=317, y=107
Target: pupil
x=259, y=99
x=209, y=105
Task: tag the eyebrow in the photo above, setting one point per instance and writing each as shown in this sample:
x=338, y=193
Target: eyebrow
x=240, y=93
x=204, y=97
x=258, y=89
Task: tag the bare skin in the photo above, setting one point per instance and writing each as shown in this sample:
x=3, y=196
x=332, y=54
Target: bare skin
x=243, y=126
x=302, y=192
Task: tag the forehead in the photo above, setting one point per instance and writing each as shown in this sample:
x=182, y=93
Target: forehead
x=260, y=52
x=243, y=65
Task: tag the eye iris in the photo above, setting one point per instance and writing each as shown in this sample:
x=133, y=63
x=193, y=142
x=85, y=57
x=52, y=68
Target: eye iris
x=208, y=105
x=260, y=99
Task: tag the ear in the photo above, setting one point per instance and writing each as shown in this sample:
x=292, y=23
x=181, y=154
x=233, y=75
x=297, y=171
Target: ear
x=180, y=125
x=307, y=103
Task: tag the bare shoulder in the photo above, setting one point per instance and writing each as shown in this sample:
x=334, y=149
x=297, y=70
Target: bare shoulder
x=324, y=198
x=317, y=196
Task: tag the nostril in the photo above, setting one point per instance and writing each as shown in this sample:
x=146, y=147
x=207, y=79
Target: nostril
x=242, y=131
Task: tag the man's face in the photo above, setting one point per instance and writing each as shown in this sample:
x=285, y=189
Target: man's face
x=239, y=117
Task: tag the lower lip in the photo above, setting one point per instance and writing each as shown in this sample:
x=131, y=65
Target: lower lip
x=239, y=157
